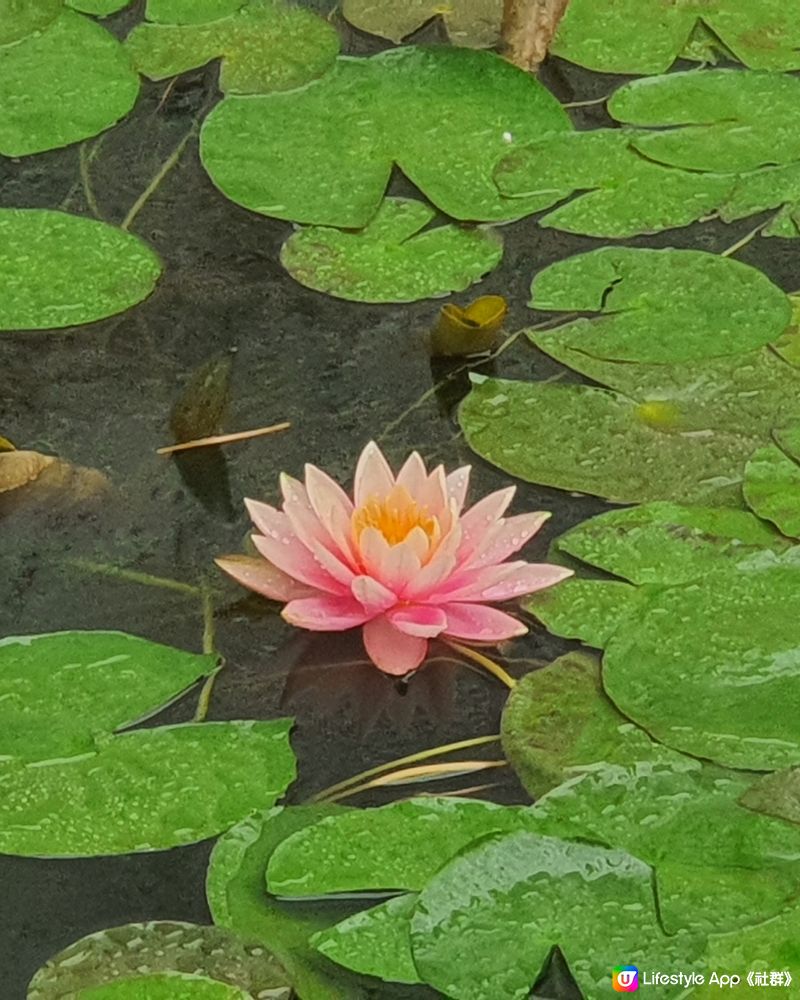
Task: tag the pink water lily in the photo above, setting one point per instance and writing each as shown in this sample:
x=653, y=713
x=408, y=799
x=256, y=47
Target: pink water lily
x=403, y=559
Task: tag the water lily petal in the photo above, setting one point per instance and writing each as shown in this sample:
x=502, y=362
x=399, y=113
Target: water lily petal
x=297, y=506
x=481, y=518
x=502, y=583
x=480, y=623
x=392, y=651
x=264, y=578
x=325, y=613
x=423, y=584
x=433, y=496
x=393, y=565
x=508, y=537
x=413, y=475
x=333, y=507
x=290, y=555
x=419, y=619
x=374, y=477
x=457, y=486
x=372, y=594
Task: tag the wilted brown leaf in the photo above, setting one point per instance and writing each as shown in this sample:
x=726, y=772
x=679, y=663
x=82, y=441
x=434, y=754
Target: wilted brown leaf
x=528, y=30
x=29, y=477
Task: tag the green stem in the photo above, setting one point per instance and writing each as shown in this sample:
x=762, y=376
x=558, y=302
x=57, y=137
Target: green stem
x=748, y=237
x=132, y=576
x=209, y=647
x=327, y=793
x=416, y=775
x=483, y=661
x=155, y=183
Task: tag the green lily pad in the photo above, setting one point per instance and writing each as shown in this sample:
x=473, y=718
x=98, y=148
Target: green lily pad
x=474, y=23
x=237, y=900
x=720, y=120
x=192, y=11
x=62, y=270
x=391, y=260
x=589, y=610
x=145, y=790
x=772, y=488
x=628, y=36
x=664, y=543
x=770, y=188
x=19, y=18
x=661, y=306
x=263, y=47
x=158, y=947
x=165, y=986
x=619, y=192
x=100, y=8
x=374, y=942
x=62, y=84
x=484, y=927
x=405, y=106
x=383, y=848
x=605, y=781
x=713, y=668
x=58, y=691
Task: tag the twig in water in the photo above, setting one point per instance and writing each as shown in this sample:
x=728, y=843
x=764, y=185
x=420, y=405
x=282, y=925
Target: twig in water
x=223, y=439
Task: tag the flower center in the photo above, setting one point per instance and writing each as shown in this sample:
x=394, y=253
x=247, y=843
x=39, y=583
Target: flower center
x=395, y=517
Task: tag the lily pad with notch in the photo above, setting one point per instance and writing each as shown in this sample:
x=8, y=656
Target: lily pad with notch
x=472, y=23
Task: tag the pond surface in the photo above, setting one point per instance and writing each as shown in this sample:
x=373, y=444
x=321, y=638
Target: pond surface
x=341, y=373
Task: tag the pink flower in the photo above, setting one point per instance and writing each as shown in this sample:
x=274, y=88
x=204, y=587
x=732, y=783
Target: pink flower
x=403, y=559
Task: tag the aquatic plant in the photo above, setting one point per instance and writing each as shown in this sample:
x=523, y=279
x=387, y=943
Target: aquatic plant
x=402, y=559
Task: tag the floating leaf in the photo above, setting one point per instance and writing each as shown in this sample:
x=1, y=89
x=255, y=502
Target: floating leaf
x=62, y=270
x=405, y=106
x=660, y=306
x=201, y=407
x=720, y=120
x=59, y=691
x=772, y=488
x=194, y=12
x=145, y=790
x=619, y=192
x=484, y=926
x=62, y=84
x=100, y=8
x=387, y=261
x=157, y=947
x=473, y=23
x=461, y=332
x=383, y=848
x=236, y=898
x=264, y=47
x=19, y=18
x=374, y=942
x=770, y=188
x=627, y=36
x=589, y=610
x=165, y=986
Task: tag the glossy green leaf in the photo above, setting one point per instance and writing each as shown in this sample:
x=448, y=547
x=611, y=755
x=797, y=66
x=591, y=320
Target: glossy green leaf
x=776, y=794
x=145, y=790
x=236, y=898
x=628, y=36
x=618, y=192
x=719, y=120
x=59, y=691
x=60, y=270
x=263, y=47
x=63, y=84
x=391, y=260
x=485, y=925
x=191, y=11
x=605, y=781
x=164, y=986
x=374, y=942
x=405, y=106
x=474, y=23
x=660, y=306
x=19, y=18
x=157, y=947
x=589, y=610
x=772, y=488
x=383, y=848
x=713, y=667
x=664, y=543
x=100, y=8
x=769, y=188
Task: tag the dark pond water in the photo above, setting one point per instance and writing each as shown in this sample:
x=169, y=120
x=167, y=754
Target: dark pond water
x=342, y=373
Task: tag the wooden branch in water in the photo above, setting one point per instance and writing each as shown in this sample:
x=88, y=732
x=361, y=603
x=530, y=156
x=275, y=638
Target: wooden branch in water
x=218, y=439
x=528, y=29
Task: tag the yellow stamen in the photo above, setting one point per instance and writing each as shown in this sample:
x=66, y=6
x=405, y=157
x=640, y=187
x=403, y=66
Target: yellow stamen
x=395, y=517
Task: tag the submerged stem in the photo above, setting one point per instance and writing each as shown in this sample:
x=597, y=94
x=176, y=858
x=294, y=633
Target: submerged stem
x=748, y=237
x=209, y=647
x=133, y=576
x=333, y=790
x=483, y=661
